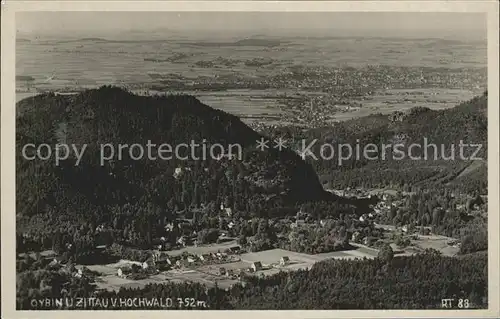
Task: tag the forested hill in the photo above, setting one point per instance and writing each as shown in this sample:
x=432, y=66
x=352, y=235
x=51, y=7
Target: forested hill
x=146, y=192
x=466, y=122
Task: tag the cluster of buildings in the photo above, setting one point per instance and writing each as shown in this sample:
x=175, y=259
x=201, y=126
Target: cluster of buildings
x=315, y=111
x=253, y=268
x=232, y=274
x=70, y=268
x=160, y=261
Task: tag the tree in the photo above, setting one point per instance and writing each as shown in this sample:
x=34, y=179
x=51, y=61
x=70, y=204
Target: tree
x=208, y=236
x=242, y=240
x=436, y=216
x=386, y=254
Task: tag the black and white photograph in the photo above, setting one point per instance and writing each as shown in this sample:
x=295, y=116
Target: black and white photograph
x=247, y=160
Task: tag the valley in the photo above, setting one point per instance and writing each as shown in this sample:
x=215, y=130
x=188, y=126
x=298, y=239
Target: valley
x=274, y=221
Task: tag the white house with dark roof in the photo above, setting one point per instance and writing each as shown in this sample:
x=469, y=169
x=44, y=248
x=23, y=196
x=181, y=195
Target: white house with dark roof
x=256, y=266
x=284, y=261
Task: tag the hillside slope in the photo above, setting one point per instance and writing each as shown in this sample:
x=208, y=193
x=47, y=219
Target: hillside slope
x=466, y=122
x=146, y=193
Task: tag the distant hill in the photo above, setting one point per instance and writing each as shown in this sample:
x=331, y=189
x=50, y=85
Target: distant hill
x=243, y=42
x=103, y=40
x=27, y=78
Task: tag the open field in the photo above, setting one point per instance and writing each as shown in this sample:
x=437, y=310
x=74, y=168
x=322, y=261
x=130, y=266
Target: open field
x=268, y=257
x=101, y=62
x=403, y=100
x=44, y=254
x=210, y=274
x=213, y=248
x=251, y=105
x=436, y=242
x=423, y=242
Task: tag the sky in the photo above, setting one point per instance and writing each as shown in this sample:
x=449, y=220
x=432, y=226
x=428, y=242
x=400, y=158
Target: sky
x=370, y=23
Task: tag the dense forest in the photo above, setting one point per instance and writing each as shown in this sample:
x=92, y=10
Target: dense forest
x=137, y=198
x=435, y=182
x=133, y=200
x=387, y=282
x=127, y=204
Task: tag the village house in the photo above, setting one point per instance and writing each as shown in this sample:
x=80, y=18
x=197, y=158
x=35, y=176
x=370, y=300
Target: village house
x=367, y=241
x=241, y=274
x=69, y=268
x=226, y=210
x=178, y=172
x=99, y=228
x=297, y=223
x=56, y=261
x=452, y=243
x=205, y=257
x=182, y=240
x=100, y=247
x=156, y=255
x=256, y=266
x=284, y=261
x=222, y=271
x=185, y=226
x=355, y=236
x=81, y=272
x=163, y=264
x=425, y=231
x=221, y=256
x=123, y=272
x=169, y=227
